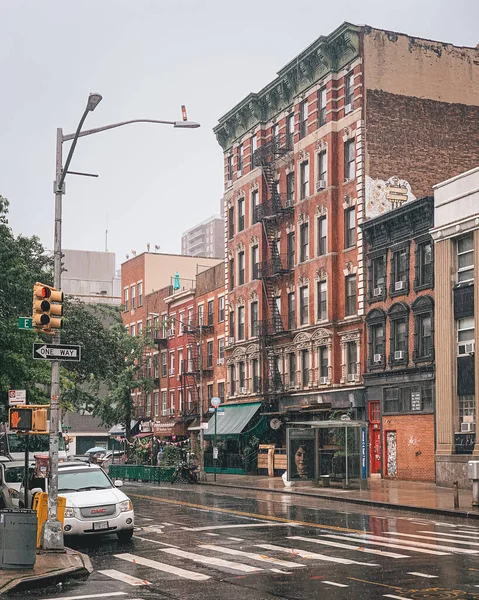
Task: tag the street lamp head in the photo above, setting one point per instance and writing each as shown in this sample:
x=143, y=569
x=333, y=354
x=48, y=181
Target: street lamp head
x=94, y=100
x=186, y=124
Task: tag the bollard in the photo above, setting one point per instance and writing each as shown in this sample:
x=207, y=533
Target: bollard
x=455, y=488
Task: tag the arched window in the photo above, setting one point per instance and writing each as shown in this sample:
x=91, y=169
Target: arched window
x=376, y=322
x=399, y=334
x=423, y=310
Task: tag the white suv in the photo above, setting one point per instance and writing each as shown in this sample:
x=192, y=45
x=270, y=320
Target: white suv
x=94, y=504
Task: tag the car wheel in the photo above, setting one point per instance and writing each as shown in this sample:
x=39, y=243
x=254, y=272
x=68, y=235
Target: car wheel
x=125, y=535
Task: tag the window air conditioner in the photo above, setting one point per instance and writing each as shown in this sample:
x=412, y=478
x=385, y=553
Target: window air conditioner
x=171, y=372
x=377, y=358
x=351, y=377
x=220, y=361
x=464, y=349
x=399, y=285
x=377, y=291
x=323, y=380
x=229, y=183
x=468, y=427
x=320, y=185
x=399, y=354
x=348, y=108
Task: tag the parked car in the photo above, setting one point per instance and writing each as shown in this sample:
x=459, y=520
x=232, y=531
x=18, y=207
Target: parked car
x=94, y=504
x=11, y=475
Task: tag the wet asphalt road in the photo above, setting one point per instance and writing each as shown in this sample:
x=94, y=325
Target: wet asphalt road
x=201, y=542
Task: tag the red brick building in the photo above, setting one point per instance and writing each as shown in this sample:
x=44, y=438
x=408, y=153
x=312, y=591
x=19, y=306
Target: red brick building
x=358, y=116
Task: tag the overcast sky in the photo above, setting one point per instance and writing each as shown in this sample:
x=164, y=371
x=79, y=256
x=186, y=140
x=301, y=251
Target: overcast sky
x=147, y=58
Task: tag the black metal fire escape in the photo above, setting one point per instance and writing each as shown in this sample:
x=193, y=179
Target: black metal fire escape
x=273, y=208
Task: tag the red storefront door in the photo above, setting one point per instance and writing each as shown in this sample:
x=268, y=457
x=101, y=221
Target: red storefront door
x=374, y=438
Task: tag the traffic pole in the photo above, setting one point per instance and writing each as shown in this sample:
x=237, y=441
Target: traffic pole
x=215, y=449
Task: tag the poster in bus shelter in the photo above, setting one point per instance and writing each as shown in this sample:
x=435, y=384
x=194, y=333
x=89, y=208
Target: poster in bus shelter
x=301, y=455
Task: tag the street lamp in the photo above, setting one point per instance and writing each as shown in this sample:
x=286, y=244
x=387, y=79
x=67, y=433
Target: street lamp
x=52, y=535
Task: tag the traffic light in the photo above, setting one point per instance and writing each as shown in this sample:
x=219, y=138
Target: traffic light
x=47, y=307
x=28, y=418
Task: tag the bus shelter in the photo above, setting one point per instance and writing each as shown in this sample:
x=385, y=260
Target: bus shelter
x=328, y=452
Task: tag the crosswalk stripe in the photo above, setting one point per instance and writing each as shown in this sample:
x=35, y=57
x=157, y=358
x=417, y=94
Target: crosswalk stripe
x=252, y=556
x=336, y=584
x=154, y=564
x=119, y=576
x=473, y=533
x=387, y=544
x=211, y=560
x=466, y=535
x=396, y=597
x=423, y=537
x=240, y=526
x=414, y=544
x=313, y=555
x=426, y=575
x=348, y=547
x=108, y=595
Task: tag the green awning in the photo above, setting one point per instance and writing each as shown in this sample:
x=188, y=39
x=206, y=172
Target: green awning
x=234, y=421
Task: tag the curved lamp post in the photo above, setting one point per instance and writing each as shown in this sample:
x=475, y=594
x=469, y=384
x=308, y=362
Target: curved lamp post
x=52, y=535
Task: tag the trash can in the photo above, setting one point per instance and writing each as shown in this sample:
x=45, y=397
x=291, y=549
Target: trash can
x=18, y=531
x=40, y=505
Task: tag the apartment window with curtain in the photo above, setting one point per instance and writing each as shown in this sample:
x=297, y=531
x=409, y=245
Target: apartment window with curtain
x=240, y=268
x=164, y=404
x=125, y=299
x=275, y=133
x=241, y=328
x=140, y=294
x=232, y=273
x=132, y=330
x=221, y=391
x=323, y=359
x=290, y=130
x=303, y=119
x=254, y=147
x=304, y=242
x=254, y=206
x=304, y=179
x=240, y=158
x=255, y=262
x=349, y=160
x=210, y=312
x=322, y=292
x=424, y=265
x=221, y=348
x=231, y=222
x=241, y=214
x=349, y=90
x=304, y=305
x=254, y=319
x=350, y=295
x=305, y=366
x=465, y=259
x=322, y=106
x=291, y=311
x=189, y=358
x=201, y=315
x=221, y=309
x=232, y=380
x=290, y=249
x=350, y=227
x=133, y=297
x=322, y=236
x=292, y=369
x=322, y=170
x=290, y=189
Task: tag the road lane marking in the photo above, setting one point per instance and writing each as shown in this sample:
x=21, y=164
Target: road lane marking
x=467, y=536
x=387, y=544
x=109, y=595
x=392, y=587
x=211, y=560
x=313, y=555
x=280, y=571
x=422, y=537
x=139, y=537
x=397, y=597
x=158, y=566
x=235, y=539
x=342, y=585
x=426, y=575
x=348, y=546
x=213, y=534
x=414, y=544
x=119, y=576
x=236, y=526
x=251, y=555
x=231, y=511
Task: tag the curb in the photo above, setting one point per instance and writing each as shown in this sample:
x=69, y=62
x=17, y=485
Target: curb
x=447, y=512
x=44, y=580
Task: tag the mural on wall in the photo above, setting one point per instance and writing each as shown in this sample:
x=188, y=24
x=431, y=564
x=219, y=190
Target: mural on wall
x=383, y=196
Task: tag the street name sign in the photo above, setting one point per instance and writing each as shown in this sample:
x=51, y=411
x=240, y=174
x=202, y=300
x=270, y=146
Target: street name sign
x=56, y=352
x=17, y=397
x=25, y=323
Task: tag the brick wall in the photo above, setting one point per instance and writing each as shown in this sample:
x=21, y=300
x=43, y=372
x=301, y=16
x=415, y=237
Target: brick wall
x=419, y=140
x=415, y=446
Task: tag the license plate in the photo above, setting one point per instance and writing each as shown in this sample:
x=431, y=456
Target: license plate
x=100, y=525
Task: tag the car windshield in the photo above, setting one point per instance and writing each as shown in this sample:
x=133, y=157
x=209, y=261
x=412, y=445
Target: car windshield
x=14, y=474
x=78, y=481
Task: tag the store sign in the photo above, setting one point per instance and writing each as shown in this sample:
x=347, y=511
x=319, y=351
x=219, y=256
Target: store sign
x=163, y=428
x=416, y=401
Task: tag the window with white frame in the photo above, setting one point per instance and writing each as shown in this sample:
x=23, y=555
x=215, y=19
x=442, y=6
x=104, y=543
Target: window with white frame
x=221, y=309
x=181, y=318
x=201, y=315
x=133, y=297
x=132, y=329
x=322, y=236
x=322, y=293
x=465, y=258
x=322, y=106
x=140, y=327
x=254, y=147
x=221, y=348
x=351, y=358
x=349, y=170
x=303, y=119
x=349, y=90
x=172, y=363
x=304, y=242
x=304, y=305
x=304, y=179
x=254, y=206
x=125, y=299
x=305, y=366
x=241, y=328
x=164, y=364
x=229, y=167
x=322, y=170
x=140, y=293
x=240, y=158
x=156, y=403
x=172, y=401
x=164, y=404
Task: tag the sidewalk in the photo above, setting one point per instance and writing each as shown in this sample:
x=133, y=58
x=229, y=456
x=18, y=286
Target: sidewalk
x=383, y=493
x=50, y=569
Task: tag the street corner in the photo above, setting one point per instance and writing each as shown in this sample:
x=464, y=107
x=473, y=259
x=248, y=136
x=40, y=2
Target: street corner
x=51, y=568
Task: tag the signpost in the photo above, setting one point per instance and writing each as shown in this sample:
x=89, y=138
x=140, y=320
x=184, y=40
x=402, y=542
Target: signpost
x=215, y=402
x=17, y=397
x=56, y=352
x=25, y=323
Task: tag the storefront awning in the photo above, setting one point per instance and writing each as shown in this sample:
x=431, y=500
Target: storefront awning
x=235, y=419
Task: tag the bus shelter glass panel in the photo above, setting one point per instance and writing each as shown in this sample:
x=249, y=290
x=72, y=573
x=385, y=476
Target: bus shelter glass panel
x=301, y=454
x=340, y=453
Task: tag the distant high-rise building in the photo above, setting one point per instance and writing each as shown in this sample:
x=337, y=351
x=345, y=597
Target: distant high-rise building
x=205, y=239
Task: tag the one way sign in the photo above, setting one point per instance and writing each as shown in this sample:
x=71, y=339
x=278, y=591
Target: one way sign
x=56, y=352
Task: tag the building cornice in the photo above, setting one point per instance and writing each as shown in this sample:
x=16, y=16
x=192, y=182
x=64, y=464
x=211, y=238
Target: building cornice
x=325, y=55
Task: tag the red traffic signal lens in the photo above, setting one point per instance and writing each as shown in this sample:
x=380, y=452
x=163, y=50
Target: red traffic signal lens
x=46, y=292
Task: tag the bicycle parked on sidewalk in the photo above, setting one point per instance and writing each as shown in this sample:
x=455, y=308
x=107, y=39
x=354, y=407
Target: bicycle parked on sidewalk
x=184, y=473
